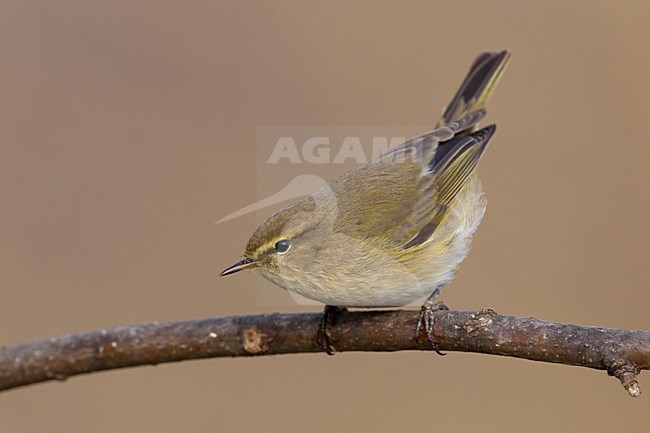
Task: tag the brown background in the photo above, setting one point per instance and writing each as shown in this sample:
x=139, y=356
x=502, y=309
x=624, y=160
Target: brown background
x=128, y=128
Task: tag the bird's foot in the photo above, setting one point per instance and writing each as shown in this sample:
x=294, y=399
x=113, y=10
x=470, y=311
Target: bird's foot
x=426, y=321
x=324, y=337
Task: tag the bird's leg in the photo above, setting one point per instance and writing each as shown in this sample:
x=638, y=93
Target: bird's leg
x=426, y=318
x=324, y=337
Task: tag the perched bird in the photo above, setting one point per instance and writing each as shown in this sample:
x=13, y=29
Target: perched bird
x=393, y=231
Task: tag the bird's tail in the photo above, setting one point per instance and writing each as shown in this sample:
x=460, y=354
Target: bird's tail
x=477, y=88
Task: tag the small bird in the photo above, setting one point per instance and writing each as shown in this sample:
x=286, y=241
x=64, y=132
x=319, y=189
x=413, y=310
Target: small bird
x=392, y=231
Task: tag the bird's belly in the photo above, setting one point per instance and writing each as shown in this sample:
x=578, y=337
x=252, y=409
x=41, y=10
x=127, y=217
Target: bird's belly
x=383, y=281
x=382, y=290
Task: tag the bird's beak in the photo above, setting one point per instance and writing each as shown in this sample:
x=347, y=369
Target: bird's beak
x=240, y=265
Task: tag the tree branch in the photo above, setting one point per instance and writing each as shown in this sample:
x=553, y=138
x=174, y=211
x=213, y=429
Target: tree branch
x=622, y=353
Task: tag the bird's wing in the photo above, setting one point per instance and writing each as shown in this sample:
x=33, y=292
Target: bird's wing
x=398, y=198
x=438, y=190
x=424, y=147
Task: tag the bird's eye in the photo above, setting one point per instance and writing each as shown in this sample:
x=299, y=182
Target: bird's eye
x=282, y=246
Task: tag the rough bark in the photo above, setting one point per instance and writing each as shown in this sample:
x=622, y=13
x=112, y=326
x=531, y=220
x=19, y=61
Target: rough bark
x=622, y=353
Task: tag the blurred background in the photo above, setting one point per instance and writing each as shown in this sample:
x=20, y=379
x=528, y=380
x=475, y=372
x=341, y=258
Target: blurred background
x=129, y=128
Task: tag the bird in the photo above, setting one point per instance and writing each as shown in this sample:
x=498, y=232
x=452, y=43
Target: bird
x=393, y=231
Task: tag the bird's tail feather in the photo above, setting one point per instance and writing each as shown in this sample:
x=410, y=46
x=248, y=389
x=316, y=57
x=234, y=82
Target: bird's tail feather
x=477, y=88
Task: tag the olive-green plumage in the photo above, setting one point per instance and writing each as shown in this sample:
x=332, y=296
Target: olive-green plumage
x=390, y=232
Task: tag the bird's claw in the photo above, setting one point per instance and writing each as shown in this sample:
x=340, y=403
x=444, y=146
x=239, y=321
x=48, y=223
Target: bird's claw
x=324, y=337
x=426, y=319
